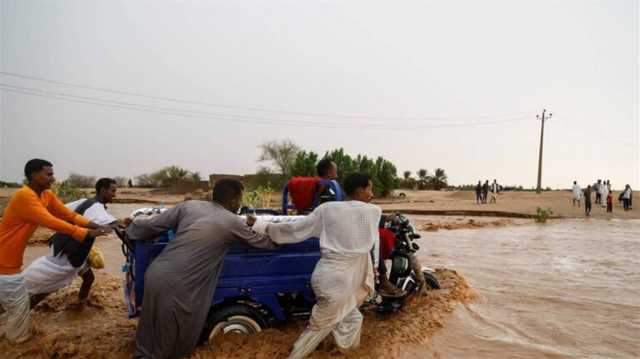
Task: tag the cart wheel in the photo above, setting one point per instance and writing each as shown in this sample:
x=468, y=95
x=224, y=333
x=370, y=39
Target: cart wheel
x=235, y=318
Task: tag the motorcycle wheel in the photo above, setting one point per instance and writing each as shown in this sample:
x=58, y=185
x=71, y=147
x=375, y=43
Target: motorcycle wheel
x=431, y=279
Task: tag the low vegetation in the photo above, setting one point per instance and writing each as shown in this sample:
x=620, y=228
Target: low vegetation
x=167, y=177
x=542, y=214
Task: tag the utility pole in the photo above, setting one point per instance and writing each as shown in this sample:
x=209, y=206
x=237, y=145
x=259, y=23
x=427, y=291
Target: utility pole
x=542, y=118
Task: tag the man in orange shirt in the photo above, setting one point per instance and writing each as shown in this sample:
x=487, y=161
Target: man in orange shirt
x=33, y=205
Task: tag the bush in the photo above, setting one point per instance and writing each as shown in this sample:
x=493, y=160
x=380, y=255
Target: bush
x=67, y=193
x=80, y=181
x=266, y=179
x=121, y=181
x=4, y=184
x=167, y=177
x=259, y=197
x=145, y=181
x=542, y=214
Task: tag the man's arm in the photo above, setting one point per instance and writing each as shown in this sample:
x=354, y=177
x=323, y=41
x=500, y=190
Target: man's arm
x=293, y=232
x=32, y=210
x=242, y=232
x=150, y=227
x=58, y=209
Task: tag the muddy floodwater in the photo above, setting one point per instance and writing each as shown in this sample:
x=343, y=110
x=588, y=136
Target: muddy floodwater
x=567, y=289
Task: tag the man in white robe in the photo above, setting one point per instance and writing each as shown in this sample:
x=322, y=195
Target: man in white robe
x=344, y=276
x=576, y=194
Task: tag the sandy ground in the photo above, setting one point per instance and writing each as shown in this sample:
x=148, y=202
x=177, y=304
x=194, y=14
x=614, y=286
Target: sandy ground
x=508, y=202
x=430, y=202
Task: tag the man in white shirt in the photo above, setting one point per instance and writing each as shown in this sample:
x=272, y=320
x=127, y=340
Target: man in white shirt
x=67, y=259
x=494, y=191
x=576, y=194
x=344, y=276
x=604, y=192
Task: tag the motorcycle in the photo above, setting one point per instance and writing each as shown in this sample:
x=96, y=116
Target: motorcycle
x=403, y=259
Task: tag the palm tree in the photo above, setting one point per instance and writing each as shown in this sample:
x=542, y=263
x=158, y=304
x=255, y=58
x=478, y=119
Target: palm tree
x=423, y=178
x=407, y=175
x=439, y=179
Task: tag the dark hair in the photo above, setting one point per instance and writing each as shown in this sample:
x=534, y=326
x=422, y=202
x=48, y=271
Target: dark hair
x=355, y=181
x=104, y=183
x=35, y=165
x=322, y=168
x=227, y=189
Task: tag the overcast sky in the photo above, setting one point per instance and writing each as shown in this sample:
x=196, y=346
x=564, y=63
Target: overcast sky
x=426, y=84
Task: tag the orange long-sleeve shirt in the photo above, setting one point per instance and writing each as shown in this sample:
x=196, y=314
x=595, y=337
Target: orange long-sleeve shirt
x=24, y=212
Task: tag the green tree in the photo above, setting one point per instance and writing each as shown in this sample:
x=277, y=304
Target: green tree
x=383, y=173
x=423, y=179
x=439, y=180
x=194, y=176
x=281, y=153
x=346, y=165
x=168, y=176
x=305, y=164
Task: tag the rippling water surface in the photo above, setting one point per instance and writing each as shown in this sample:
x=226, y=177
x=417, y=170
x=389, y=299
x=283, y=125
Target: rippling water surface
x=567, y=289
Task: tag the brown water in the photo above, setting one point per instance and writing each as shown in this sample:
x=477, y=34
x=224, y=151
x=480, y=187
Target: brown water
x=567, y=289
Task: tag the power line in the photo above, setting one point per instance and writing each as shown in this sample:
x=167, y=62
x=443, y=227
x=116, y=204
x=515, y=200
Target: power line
x=225, y=117
x=255, y=109
x=579, y=131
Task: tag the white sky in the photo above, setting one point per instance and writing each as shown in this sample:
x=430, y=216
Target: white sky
x=415, y=68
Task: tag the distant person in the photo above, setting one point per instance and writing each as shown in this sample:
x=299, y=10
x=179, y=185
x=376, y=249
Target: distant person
x=609, y=202
x=494, y=191
x=67, y=259
x=627, y=194
x=32, y=206
x=479, y=192
x=485, y=191
x=596, y=188
x=576, y=194
x=130, y=183
x=604, y=192
x=587, y=201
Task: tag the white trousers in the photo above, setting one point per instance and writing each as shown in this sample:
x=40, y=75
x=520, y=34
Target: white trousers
x=346, y=335
x=15, y=320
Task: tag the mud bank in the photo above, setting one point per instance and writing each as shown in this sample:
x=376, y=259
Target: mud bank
x=463, y=223
x=65, y=328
